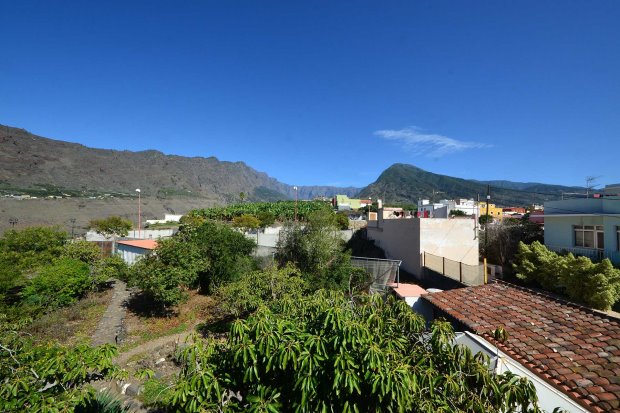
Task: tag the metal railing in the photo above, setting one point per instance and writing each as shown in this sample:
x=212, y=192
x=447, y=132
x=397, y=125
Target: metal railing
x=466, y=274
x=383, y=272
x=592, y=253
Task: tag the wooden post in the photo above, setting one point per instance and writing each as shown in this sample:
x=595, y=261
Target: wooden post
x=485, y=270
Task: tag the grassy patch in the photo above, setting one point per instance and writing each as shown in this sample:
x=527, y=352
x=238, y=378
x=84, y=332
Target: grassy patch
x=155, y=390
x=72, y=324
x=142, y=328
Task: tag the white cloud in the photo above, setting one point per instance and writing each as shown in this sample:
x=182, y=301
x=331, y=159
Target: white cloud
x=412, y=139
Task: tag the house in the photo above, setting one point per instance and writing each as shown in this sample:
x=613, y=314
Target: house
x=414, y=240
x=168, y=218
x=493, y=211
x=444, y=207
x=570, y=353
x=512, y=211
x=132, y=250
x=585, y=226
x=344, y=203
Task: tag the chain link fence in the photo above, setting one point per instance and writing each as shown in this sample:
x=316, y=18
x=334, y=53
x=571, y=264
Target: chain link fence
x=383, y=272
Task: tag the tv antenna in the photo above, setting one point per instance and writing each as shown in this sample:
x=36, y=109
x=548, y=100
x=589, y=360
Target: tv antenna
x=591, y=184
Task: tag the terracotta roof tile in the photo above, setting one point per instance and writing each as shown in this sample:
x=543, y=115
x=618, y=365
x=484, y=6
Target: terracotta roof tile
x=574, y=348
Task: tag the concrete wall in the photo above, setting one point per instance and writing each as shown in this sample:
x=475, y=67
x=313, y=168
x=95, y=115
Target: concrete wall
x=453, y=239
x=407, y=239
x=400, y=239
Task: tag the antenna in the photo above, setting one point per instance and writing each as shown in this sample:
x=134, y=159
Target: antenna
x=591, y=184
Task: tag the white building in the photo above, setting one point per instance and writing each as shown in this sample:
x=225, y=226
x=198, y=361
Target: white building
x=132, y=250
x=442, y=209
x=409, y=239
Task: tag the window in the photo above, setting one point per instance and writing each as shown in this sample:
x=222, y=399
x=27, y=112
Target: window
x=589, y=236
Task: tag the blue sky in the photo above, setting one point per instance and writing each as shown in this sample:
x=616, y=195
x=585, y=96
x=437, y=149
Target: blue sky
x=326, y=92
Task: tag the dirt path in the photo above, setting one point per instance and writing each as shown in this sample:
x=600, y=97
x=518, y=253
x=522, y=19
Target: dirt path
x=110, y=326
x=153, y=345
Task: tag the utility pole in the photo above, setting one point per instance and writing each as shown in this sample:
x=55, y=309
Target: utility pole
x=435, y=193
x=139, y=213
x=295, y=188
x=486, y=221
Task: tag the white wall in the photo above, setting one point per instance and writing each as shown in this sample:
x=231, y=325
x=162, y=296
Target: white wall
x=407, y=239
x=400, y=240
x=452, y=238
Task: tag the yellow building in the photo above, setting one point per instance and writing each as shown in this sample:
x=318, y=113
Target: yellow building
x=494, y=212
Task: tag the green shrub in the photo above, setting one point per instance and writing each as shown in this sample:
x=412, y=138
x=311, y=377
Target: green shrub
x=259, y=288
x=326, y=353
x=32, y=247
x=85, y=251
x=342, y=220
x=596, y=285
x=59, y=284
x=47, y=377
x=206, y=256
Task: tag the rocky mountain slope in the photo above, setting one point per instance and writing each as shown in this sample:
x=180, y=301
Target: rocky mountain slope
x=45, y=165
x=402, y=183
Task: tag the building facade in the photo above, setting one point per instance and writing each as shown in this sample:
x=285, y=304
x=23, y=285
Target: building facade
x=585, y=226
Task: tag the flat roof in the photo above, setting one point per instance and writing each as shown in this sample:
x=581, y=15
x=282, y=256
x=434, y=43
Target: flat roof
x=574, y=348
x=147, y=244
x=404, y=290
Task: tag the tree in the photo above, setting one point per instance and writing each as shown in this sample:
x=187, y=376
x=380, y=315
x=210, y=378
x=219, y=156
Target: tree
x=203, y=256
x=22, y=253
x=80, y=250
x=457, y=213
x=326, y=353
x=31, y=247
x=47, y=377
x=246, y=222
x=266, y=218
x=242, y=196
x=342, y=220
x=167, y=274
x=59, y=284
x=257, y=288
x=111, y=226
x=485, y=219
x=317, y=249
x=594, y=284
x=504, y=237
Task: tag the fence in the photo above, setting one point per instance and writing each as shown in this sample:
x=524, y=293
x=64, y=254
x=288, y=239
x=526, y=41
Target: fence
x=382, y=272
x=463, y=273
x=593, y=254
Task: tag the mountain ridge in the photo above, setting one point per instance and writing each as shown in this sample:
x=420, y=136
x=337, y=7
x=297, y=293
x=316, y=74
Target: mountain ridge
x=404, y=183
x=30, y=161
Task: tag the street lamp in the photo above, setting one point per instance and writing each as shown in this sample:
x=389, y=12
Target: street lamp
x=295, y=188
x=139, y=213
x=369, y=204
x=72, y=221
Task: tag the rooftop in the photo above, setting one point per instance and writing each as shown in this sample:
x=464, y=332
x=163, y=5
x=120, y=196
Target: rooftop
x=404, y=290
x=147, y=244
x=574, y=348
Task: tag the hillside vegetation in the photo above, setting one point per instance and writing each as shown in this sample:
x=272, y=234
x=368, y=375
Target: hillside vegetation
x=402, y=183
x=41, y=166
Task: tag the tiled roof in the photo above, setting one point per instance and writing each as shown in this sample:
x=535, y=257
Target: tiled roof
x=147, y=244
x=574, y=348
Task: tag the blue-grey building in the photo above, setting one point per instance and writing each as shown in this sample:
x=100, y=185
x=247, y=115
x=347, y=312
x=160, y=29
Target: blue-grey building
x=585, y=226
